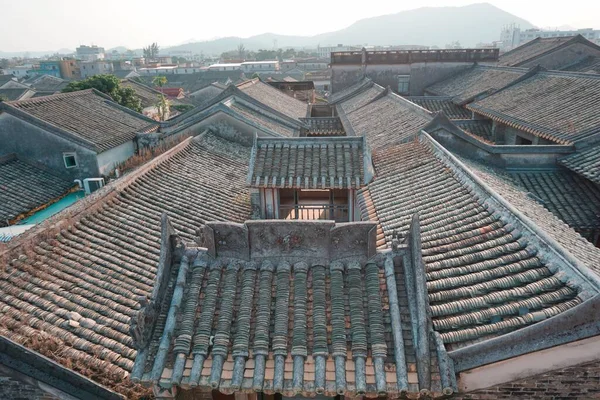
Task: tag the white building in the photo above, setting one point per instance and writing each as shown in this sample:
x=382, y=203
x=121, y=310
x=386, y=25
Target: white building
x=225, y=67
x=90, y=53
x=325, y=52
x=20, y=71
x=260, y=66
x=512, y=36
x=91, y=68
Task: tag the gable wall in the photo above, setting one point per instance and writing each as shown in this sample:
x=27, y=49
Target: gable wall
x=576, y=383
x=32, y=142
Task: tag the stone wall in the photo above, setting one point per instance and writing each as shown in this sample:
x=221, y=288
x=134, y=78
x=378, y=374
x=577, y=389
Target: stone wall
x=581, y=382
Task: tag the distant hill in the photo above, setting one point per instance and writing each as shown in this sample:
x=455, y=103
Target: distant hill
x=427, y=26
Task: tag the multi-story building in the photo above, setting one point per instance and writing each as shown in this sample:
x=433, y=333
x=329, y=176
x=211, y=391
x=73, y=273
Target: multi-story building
x=512, y=36
x=91, y=68
x=260, y=66
x=50, y=67
x=90, y=53
x=325, y=52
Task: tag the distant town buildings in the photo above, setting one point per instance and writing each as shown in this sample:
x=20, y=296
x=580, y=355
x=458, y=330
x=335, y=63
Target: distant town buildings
x=90, y=53
x=325, y=51
x=512, y=36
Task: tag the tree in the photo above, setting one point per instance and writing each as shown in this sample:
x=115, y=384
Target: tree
x=163, y=107
x=241, y=50
x=151, y=52
x=159, y=81
x=2, y=98
x=110, y=85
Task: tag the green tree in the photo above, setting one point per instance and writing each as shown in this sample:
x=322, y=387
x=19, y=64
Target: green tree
x=2, y=98
x=159, y=80
x=110, y=85
x=164, y=107
x=151, y=52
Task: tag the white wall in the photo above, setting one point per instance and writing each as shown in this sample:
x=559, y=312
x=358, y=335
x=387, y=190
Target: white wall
x=110, y=158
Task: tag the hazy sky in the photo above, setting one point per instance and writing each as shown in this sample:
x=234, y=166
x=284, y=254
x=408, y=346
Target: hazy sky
x=40, y=25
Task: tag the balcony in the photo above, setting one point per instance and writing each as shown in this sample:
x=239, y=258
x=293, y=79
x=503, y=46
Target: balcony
x=334, y=212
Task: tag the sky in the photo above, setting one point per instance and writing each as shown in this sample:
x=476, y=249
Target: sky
x=42, y=25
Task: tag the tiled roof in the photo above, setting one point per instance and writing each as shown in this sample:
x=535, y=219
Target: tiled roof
x=6, y=78
x=579, y=247
x=321, y=163
x=290, y=307
x=484, y=278
x=573, y=199
x=440, y=103
x=387, y=120
x=585, y=162
x=16, y=94
x=81, y=286
x=350, y=90
x=147, y=95
x=558, y=106
x=589, y=64
x=85, y=114
x=47, y=83
x=274, y=98
x=474, y=81
x=24, y=187
x=481, y=128
x=361, y=99
x=532, y=49
x=262, y=119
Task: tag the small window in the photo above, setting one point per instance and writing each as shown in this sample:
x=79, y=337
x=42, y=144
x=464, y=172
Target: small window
x=403, y=84
x=70, y=160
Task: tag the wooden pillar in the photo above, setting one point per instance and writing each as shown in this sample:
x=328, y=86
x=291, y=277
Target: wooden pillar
x=270, y=203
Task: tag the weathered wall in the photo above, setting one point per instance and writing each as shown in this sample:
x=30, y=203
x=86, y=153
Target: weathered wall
x=529, y=157
x=564, y=57
x=109, y=159
x=581, y=382
x=31, y=142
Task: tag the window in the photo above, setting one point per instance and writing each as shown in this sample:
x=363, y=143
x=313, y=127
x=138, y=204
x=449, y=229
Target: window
x=403, y=84
x=70, y=160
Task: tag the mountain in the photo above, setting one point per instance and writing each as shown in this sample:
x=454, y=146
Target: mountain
x=427, y=26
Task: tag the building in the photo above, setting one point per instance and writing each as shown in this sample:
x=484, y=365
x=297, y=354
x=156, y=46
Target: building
x=225, y=67
x=69, y=69
x=20, y=71
x=16, y=94
x=45, y=85
x=96, y=67
x=78, y=135
x=49, y=67
x=369, y=247
x=408, y=72
x=551, y=53
x=324, y=52
x=249, y=67
x=89, y=53
x=512, y=36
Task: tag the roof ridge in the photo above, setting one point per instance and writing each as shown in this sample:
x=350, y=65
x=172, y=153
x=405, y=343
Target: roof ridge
x=52, y=97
